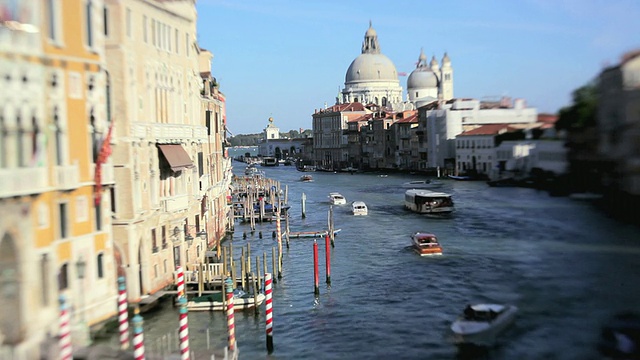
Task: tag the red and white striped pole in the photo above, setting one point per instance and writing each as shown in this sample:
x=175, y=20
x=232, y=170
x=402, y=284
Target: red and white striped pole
x=138, y=336
x=180, y=281
x=123, y=314
x=65, y=331
x=184, y=329
x=230, y=314
x=268, y=312
x=316, y=288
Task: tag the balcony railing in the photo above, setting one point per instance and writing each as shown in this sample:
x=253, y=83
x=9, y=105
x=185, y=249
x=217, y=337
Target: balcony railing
x=107, y=176
x=23, y=181
x=175, y=203
x=67, y=177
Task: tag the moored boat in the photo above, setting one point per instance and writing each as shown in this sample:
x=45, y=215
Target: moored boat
x=310, y=234
x=423, y=184
x=212, y=302
x=481, y=323
x=428, y=202
x=425, y=244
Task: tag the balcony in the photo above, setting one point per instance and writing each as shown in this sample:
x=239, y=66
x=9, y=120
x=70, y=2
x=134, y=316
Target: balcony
x=23, y=181
x=175, y=203
x=67, y=177
x=107, y=176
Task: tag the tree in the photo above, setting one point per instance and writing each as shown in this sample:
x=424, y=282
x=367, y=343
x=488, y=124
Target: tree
x=582, y=113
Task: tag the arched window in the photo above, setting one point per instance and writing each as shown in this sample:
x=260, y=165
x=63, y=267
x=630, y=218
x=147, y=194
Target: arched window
x=100, y=265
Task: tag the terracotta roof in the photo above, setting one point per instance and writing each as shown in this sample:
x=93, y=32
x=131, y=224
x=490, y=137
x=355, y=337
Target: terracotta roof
x=409, y=119
x=489, y=129
x=547, y=118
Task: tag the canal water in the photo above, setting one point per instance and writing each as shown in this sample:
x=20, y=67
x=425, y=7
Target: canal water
x=565, y=264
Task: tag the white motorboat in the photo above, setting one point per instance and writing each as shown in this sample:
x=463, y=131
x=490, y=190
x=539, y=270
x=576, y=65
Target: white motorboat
x=337, y=199
x=428, y=202
x=481, y=323
x=423, y=184
x=359, y=208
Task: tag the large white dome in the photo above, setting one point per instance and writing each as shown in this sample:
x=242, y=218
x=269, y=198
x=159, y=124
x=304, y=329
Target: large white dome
x=369, y=67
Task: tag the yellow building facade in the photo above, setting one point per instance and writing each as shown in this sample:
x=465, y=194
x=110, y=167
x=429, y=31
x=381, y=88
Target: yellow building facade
x=55, y=223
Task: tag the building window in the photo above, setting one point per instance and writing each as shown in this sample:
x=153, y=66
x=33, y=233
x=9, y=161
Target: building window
x=20, y=141
x=177, y=43
x=105, y=21
x=44, y=275
x=62, y=216
x=144, y=29
x=165, y=266
x=53, y=12
x=63, y=277
x=99, y=217
x=35, y=135
x=187, y=44
x=164, y=236
x=153, y=32
x=154, y=241
x=129, y=23
x=3, y=139
x=100, y=266
x=59, y=138
x=89, y=24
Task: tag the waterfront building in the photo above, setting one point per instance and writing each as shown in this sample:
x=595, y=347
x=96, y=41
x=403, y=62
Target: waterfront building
x=214, y=168
x=443, y=121
x=330, y=141
x=618, y=121
x=55, y=175
x=272, y=145
x=162, y=139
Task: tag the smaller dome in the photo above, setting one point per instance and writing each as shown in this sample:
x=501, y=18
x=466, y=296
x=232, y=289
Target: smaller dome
x=445, y=58
x=422, y=78
x=434, y=62
x=371, y=31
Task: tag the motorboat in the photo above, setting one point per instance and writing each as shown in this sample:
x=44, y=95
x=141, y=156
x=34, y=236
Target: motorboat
x=425, y=244
x=213, y=301
x=423, y=184
x=425, y=201
x=337, y=199
x=306, y=178
x=359, y=208
x=481, y=323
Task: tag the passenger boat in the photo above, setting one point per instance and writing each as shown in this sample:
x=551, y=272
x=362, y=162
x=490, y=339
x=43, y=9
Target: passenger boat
x=425, y=244
x=481, y=323
x=337, y=199
x=359, y=208
x=213, y=302
x=269, y=161
x=428, y=202
x=422, y=184
x=306, y=178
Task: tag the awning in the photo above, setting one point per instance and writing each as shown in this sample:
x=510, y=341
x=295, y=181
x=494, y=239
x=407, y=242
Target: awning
x=176, y=156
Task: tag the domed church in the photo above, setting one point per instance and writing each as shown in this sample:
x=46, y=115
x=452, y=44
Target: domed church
x=429, y=82
x=371, y=77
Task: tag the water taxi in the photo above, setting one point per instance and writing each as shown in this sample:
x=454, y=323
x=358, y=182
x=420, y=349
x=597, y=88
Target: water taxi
x=359, y=208
x=337, y=199
x=425, y=244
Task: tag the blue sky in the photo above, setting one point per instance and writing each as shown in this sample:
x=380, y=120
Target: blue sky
x=285, y=58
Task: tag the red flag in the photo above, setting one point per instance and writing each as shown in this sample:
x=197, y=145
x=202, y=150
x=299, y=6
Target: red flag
x=105, y=151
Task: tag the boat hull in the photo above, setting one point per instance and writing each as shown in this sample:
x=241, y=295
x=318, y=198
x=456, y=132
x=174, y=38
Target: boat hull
x=482, y=332
x=214, y=305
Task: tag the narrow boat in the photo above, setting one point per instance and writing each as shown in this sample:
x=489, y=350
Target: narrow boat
x=481, y=323
x=308, y=234
x=213, y=302
x=428, y=202
x=425, y=244
x=306, y=178
x=422, y=184
x=359, y=208
x=269, y=161
x=337, y=199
